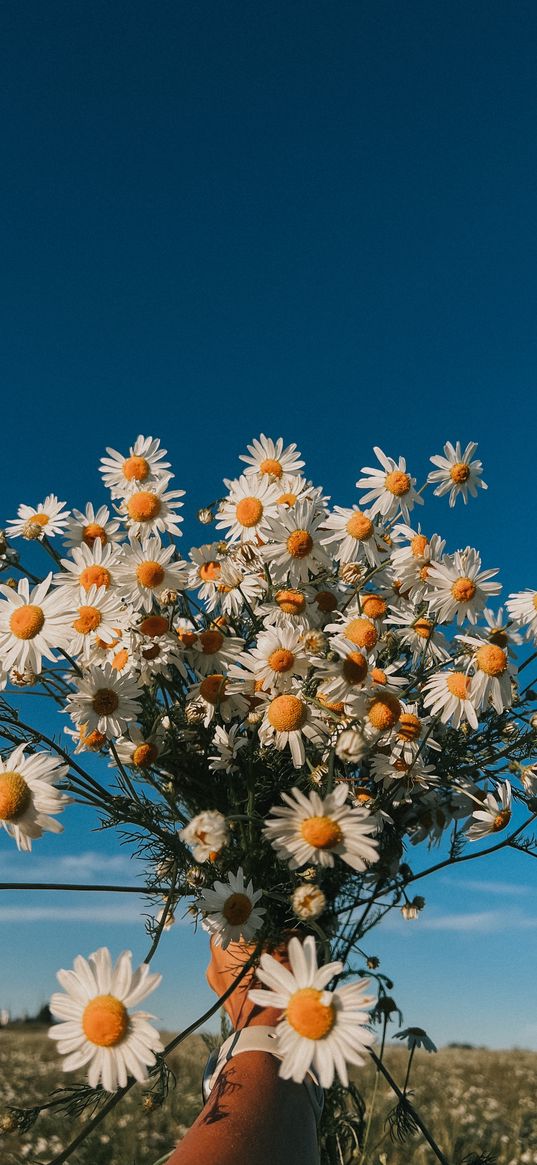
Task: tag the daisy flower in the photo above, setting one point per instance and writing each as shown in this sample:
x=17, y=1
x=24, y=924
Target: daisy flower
x=449, y=694
x=295, y=488
x=204, y=574
x=308, y=902
x=246, y=510
x=95, y=1027
x=412, y=730
x=228, y=745
x=231, y=913
x=288, y=607
x=294, y=548
x=419, y=633
x=499, y=629
x=105, y=700
x=213, y=651
x=390, y=488
x=236, y=589
x=269, y=458
x=90, y=566
x=411, y=562
x=319, y=1029
x=28, y=795
x=354, y=536
x=152, y=510
x=522, y=607
x=206, y=834
x=457, y=474
x=217, y=697
x=146, y=570
x=409, y=771
x=314, y=830
x=461, y=588
x=343, y=676
x=416, y=1037
x=356, y=629
x=32, y=624
x=138, y=750
x=101, y=616
x=286, y=721
x=277, y=657
x=493, y=815
x=143, y=467
x=155, y=656
x=493, y=674
x=92, y=526
x=34, y=522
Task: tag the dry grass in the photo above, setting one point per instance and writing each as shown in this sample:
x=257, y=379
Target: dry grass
x=472, y=1100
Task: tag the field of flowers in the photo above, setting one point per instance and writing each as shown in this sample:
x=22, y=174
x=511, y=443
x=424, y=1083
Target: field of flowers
x=472, y=1100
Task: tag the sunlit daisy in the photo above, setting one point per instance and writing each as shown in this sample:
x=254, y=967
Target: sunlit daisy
x=287, y=720
x=204, y=574
x=33, y=522
x=147, y=568
x=105, y=700
x=493, y=815
x=33, y=625
x=308, y=901
x=403, y=771
x=342, y=677
x=522, y=607
x=153, y=510
x=236, y=590
x=457, y=474
x=228, y=744
x=492, y=674
x=246, y=510
x=101, y=616
x=156, y=655
x=411, y=732
x=90, y=566
x=206, y=834
x=92, y=526
x=277, y=658
x=295, y=488
x=144, y=467
x=315, y=830
x=461, y=588
x=270, y=459
x=230, y=910
x=96, y=1029
x=354, y=536
x=217, y=697
x=499, y=629
x=355, y=628
x=288, y=607
x=294, y=550
x=411, y=561
x=28, y=795
x=390, y=488
x=449, y=694
x=319, y=1029
x=212, y=651
x=139, y=750
x=419, y=633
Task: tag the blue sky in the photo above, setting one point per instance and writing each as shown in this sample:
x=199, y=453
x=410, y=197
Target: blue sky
x=304, y=219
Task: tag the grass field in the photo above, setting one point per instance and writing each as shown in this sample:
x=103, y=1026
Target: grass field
x=471, y=1099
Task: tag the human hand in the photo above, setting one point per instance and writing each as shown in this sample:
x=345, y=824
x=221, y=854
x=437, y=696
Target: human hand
x=224, y=967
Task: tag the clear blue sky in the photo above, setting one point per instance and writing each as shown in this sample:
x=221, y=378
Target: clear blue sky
x=312, y=219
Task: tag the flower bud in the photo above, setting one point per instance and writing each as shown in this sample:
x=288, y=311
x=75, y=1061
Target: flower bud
x=351, y=746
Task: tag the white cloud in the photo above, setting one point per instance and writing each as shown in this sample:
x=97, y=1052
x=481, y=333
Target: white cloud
x=89, y=865
x=126, y=913
x=483, y=885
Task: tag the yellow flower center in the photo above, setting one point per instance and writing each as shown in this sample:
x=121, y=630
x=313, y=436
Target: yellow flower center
x=463, y=590
x=93, y=533
x=335, y=706
x=94, y=576
x=384, y=711
x=248, y=512
x=321, y=832
x=534, y=600
x=152, y=652
x=26, y=622
x=92, y=740
x=143, y=506
x=39, y=520
x=120, y=659
x=88, y=620
x=288, y=499
x=424, y=572
x=397, y=483
x=15, y=796
x=299, y=544
x=136, y=468
x=459, y=472
x=154, y=625
x=281, y=660
x=501, y=820
x=379, y=676
x=359, y=526
x=271, y=466
x=373, y=606
x=355, y=668
x=490, y=659
x=211, y=642
x=423, y=628
x=361, y=632
x=212, y=688
x=237, y=909
x=291, y=602
x=326, y=601
x=105, y=1021
x=409, y=726
x=308, y=1015
x=150, y=574
x=105, y=701
x=418, y=545
x=144, y=755
x=287, y=713
x=458, y=684
x=400, y=765
x=209, y=571
x=187, y=638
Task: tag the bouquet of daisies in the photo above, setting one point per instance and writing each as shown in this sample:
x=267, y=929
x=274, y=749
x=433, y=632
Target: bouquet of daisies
x=283, y=715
